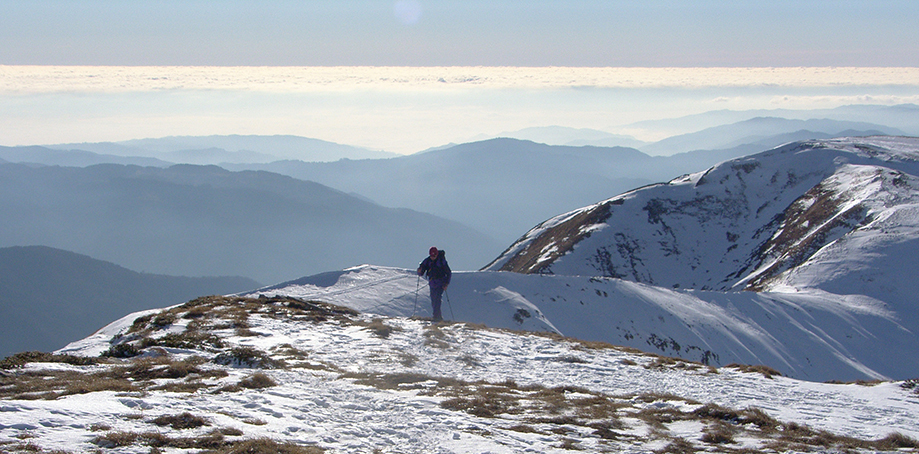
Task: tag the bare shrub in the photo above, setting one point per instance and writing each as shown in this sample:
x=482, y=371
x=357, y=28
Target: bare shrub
x=213, y=440
x=234, y=388
x=598, y=408
x=717, y=412
x=658, y=417
x=184, y=420
x=230, y=431
x=196, y=312
x=140, y=323
x=407, y=359
x=481, y=406
x=766, y=371
x=605, y=429
x=436, y=343
x=470, y=361
x=290, y=351
x=258, y=380
x=163, y=320
x=164, y=367
x=99, y=427
x=246, y=332
x=248, y=357
x=718, y=433
x=381, y=329
x=571, y=359
x=122, y=350
x=435, y=337
x=570, y=444
x=678, y=446
x=93, y=383
x=20, y=359
x=649, y=397
x=265, y=446
x=523, y=428
x=121, y=439
x=53, y=384
x=181, y=387
x=760, y=419
x=187, y=340
x=896, y=441
x=395, y=381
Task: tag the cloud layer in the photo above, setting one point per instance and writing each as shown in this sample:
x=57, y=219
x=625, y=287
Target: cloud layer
x=113, y=79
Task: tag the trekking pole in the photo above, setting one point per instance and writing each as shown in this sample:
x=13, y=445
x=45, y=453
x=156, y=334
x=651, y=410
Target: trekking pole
x=417, y=287
x=449, y=305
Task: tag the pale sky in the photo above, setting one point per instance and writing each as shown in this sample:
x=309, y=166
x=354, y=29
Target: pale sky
x=617, y=33
x=405, y=75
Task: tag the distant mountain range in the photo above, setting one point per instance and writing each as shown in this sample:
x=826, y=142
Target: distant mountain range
x=505, y=186
x=764, y=132
x=49, y=297
x=216, y=150
x=204, y=220
x=574, y=137
x=904, y=117
x=499, y=187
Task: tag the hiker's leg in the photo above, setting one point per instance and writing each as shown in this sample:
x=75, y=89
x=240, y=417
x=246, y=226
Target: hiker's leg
x=437, y=293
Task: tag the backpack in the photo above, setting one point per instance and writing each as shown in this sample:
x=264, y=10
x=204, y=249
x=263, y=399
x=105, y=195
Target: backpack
x=439, y=267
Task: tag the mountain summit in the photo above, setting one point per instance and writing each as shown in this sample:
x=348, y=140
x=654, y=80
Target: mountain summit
x=837, y=215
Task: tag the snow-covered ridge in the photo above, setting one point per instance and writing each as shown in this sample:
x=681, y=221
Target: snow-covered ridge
x=826, y=230
x=812, y=334
x=746, y=223
x=223, y=370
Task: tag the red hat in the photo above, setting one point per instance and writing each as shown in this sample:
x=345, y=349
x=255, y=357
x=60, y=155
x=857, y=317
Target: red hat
x=433, y=250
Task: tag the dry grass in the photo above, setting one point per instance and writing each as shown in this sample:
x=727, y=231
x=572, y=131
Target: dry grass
x=258, y=380
x=719, y=433
x=379, y=328
x=248, y=357
x=766, y=371
x=400, y=380
x=20, y=359
x=436, y=338
x=678, y=446
x=551, y=412
x=25, y=447
x=138, y=375
x=50, y=385
x=111, y=440
x=181, y=421
x=264, y=446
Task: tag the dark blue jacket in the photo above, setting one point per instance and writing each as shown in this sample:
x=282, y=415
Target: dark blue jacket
x=437, y=271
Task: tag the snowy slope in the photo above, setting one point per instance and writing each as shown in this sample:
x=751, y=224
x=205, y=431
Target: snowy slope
x=348, y=386
x=742, y=223
x=827, y=227
x=825, y=233
x=811, y=335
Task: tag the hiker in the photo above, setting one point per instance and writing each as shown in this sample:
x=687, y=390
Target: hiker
x=438, y=274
